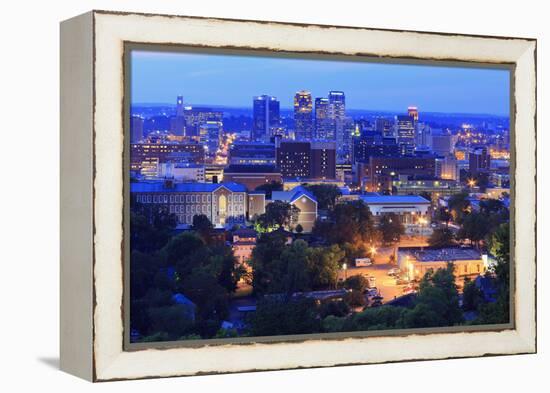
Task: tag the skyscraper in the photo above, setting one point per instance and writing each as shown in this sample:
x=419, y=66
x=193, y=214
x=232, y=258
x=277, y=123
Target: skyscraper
x=177, y=123
x=479, y=160
x=179, y=106
x=266, y=112
x=136, y=129
x=405, y=132
x=413, y=112
x=294, y=158
x=303, y=119
x=337, y=115
x=323, y=124
x=384, y=126
x=323, y=160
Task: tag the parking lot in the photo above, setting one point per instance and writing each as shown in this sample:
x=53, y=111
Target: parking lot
x=386, y=284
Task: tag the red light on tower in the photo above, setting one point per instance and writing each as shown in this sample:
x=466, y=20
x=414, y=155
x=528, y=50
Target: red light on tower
x=413, y=112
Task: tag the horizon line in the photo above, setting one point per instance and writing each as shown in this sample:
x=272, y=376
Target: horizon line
x=350, y=109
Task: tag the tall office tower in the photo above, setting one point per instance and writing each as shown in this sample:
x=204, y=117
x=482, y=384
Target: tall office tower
x=136, y=129
x=294, y=158
x=323, y=160
x=413, y=112
x=267, y=118
x=384, y=126
x=337, y=114
x=480, y=160
x=252, y=153
x=195, y=116
x=366, y=146
x=177, y=123
x=323, y=124
x=343, y=144
x=405, y=132
x=447, y=168
x=179, y=106
x=210, y=134
x=423, y=132
x=441, y=142
x=303, y=119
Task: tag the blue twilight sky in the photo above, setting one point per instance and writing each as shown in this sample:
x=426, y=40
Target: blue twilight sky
x=158, y=77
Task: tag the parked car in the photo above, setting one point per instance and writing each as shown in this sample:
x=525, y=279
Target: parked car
x=394, y=271
x=400, y=281
x=372, y=291
x=361, y=262
x=371, y=282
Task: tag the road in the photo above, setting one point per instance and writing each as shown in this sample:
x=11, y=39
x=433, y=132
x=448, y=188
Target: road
x=385, y=284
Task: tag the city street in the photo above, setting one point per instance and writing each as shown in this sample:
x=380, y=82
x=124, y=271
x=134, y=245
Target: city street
x=386, y=285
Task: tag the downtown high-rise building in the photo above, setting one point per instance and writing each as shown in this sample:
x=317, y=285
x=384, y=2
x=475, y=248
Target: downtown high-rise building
x=324, y=128
x=337, y=115
x=384, y=127
x=267, y=118
x=303, y=115
x=177, y=123
x=406, y=133
x=413, y=112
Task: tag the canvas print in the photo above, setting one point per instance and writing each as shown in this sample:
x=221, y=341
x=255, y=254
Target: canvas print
x=283, y=195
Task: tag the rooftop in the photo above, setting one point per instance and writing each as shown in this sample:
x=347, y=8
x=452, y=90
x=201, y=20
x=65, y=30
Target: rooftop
x=448, y=254
x=251, y=169
x=159, y=186
x=291, y=195
x=373, y=199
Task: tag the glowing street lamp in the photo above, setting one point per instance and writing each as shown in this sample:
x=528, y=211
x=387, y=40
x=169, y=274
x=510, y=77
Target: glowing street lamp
x=345, y=267
x=471, y=183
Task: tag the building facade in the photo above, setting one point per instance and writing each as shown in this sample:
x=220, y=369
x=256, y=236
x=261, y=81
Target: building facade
x=224, y=204
x=303, y=200
x=266, y=118
x=252, y=176
x=417, y=261
x=303, y=115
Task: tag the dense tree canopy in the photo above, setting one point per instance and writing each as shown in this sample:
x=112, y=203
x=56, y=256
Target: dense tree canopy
x=268, y=188
x=349, y=222
x=441, y=237
x=278, y=214
x=391, y=228
x=326, y=194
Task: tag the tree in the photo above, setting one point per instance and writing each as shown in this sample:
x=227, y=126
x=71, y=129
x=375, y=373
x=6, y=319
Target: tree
x=175, y=320
x=335, y=308
x=391, y=228
x=279, y=316
x=299, y=228
x=458, y=206
x=474, y=227
x=323, y=265
x=357, y=283
x=436, y=303
x=266, y=262
x=279, y=214
x=294, y=269
x=471, y=296
x=443, y=214
x=268, y=188
x=441, y=237
x=203, y=226
x=499, y=311
x=150, y=226
x=350, y=222
x=326, y=194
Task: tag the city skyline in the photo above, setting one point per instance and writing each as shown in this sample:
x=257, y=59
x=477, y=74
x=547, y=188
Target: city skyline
x=368, y=86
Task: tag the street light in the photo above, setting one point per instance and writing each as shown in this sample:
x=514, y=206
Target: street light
x=345, y=267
